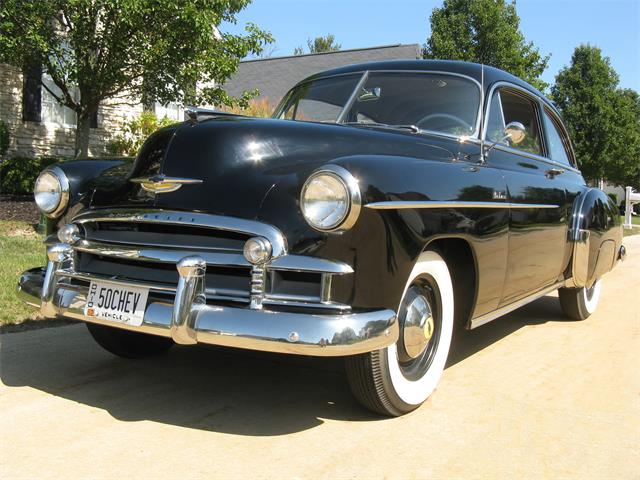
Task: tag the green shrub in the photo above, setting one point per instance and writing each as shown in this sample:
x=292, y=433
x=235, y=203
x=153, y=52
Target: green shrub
x=254, y=108
x=18, y=174
x=135, y=132
x=613, y=197
x=4, y=138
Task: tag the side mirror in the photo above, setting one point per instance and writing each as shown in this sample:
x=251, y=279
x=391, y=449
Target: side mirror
x=370, y=95
x=515, y=132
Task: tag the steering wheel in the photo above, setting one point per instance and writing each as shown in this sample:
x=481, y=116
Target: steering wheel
x=446, y=116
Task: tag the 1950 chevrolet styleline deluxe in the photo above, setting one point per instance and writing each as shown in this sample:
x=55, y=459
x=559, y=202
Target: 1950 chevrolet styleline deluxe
x=382, y=204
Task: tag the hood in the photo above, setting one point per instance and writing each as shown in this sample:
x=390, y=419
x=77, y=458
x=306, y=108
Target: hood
x=239, y=160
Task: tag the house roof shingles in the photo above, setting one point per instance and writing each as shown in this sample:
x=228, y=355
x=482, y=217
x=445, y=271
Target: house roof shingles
x=273, y=77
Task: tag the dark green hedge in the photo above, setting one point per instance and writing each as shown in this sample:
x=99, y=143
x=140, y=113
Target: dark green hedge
x=18, y=174
x=4, y=138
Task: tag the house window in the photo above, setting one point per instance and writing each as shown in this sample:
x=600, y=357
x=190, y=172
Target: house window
x=173, y=111
x=52, y=111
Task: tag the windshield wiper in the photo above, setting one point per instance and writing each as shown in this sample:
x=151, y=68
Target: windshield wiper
x=411, y=128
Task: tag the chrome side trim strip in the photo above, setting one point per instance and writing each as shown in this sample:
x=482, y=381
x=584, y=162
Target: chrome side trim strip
x=398, y=205
x=205, y=220
x=487, y=317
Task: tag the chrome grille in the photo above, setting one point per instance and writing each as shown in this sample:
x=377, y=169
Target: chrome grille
x=145, y=246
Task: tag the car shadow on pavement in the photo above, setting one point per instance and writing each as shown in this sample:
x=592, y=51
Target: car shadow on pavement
x=467, y=342
x=208, y=388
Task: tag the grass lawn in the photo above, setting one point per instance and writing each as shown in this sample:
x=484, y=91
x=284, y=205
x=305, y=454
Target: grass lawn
x=20, y=248
x=635, y=220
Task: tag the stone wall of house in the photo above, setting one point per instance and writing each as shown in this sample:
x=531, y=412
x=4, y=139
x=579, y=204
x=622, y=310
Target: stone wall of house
x=38, y=138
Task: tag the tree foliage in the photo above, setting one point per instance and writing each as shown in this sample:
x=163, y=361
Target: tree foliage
x=624, y=168
x=134, y=133
x=484, y=31
x=149, y=49
x=319, y=45
x=604, y=121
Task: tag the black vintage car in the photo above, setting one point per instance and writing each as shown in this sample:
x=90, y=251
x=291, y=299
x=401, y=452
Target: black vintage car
x=382, y=204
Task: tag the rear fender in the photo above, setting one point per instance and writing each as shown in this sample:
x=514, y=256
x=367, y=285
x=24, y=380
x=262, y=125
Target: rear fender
x=596, y=236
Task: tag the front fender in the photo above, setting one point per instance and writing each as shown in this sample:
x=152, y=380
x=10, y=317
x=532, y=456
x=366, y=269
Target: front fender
x=84, y=175
x=596, y=234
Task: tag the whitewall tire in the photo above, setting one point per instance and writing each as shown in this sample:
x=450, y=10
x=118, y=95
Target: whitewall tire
x=399, y=378
x=579, y=303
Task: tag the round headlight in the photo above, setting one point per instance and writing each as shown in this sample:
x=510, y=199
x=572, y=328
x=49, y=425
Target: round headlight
x=330, y=199
x=51, y=191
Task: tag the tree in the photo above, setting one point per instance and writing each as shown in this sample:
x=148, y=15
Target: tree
x=146, y=49
x=487, y=32
x=319, y=45
x=624, y=160
x=603, y=121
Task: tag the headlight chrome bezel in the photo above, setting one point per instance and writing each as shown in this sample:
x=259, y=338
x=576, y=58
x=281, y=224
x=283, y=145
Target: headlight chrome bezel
x=354, y=198
x=63, y=181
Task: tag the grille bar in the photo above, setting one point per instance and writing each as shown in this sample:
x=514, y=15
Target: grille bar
x=296, y=263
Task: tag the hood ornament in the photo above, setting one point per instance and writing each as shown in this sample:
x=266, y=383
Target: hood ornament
x=163, y=184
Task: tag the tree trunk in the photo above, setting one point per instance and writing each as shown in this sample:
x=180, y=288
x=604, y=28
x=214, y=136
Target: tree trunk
x=82, y=135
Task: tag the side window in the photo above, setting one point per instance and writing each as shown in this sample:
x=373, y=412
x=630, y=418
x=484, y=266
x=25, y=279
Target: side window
x=558, y=143
x=495, y=123
x=518, y=108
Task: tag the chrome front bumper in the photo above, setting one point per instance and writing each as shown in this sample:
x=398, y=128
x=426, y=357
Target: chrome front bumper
x=190, y=320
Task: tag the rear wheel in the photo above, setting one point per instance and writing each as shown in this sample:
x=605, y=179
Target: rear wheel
x=128, y=344
x=399, y=378
x=579, y=303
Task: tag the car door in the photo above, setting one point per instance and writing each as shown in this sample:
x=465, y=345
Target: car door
x=538, y=214
x=559, y=152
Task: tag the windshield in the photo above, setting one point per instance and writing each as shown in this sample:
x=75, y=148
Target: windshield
x=437, y=102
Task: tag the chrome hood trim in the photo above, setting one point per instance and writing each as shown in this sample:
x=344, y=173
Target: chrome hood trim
x=163, y=183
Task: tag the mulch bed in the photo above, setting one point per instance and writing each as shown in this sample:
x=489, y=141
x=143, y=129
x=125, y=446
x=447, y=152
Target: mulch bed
x=28, y=325
x=19, y=208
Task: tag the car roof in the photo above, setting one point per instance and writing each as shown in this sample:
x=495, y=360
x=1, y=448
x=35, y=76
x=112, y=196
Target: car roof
x=469, y=69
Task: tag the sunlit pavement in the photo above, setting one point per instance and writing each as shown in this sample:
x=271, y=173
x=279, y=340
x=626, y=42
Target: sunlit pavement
x=529, y=395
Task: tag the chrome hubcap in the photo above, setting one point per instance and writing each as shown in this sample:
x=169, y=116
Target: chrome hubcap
x=418, y=327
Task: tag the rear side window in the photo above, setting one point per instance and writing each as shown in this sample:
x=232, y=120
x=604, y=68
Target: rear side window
x=518, y=108
x=557, y=141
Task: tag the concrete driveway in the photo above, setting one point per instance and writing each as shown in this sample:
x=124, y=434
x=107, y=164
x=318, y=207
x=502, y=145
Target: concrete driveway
x=529, y=395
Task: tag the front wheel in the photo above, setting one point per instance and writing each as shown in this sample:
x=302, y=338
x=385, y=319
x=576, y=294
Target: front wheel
x=579, y=303
x=128, y=344
x=399, y=378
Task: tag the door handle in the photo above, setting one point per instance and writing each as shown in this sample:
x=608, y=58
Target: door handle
x=552, y=172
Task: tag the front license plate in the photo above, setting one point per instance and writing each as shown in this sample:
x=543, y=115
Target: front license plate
x=116, y=302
